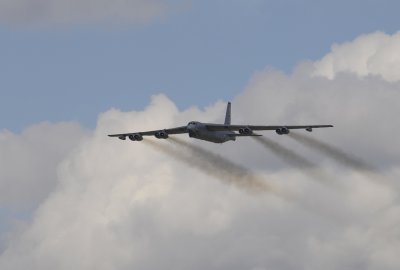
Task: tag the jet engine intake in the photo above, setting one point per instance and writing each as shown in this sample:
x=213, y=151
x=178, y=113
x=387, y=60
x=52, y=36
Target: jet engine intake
x=122, y=137
x=135, y=137
x=161, y=135
x=282, y=131
x=245, y=131
x=138, y=137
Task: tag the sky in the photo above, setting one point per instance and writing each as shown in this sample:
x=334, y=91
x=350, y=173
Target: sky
x=74, y=71
x=196, y=52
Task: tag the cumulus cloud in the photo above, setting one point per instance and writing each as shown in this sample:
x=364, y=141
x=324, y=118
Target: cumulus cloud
x=28, y=161
x=66, y=12
x=126, y=205
x=373, y=54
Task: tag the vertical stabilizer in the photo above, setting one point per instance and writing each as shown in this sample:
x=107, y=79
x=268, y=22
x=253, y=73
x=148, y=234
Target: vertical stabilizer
x=228, y=114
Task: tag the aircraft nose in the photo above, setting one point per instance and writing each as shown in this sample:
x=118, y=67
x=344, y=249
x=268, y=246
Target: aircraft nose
x=191, y=130
x=191, y=127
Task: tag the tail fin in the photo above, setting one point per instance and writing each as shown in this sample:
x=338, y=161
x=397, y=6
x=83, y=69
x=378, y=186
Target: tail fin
x=228, y=114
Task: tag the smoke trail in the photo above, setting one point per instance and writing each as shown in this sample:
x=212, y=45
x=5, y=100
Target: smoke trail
x=285, y=154
x=227, y=171
x=333, y=152
x=222, y=168
x=217, y=166
x=294, y=159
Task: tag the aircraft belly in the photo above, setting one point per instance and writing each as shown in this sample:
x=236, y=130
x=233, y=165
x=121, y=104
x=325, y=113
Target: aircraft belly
x=215, y=137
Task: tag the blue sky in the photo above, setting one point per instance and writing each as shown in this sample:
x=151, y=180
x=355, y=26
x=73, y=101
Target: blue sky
x=67, y=191
x=204, y=52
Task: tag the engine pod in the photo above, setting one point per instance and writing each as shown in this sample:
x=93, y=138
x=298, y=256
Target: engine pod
x=245, y=131
x=161, y=135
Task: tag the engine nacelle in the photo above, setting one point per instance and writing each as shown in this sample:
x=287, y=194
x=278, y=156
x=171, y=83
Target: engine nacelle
x=282, y=131
x=161, y=135
x=122, y=137
x=135, y=137
x=245, y=131
x=309, y=129
x=138, y=137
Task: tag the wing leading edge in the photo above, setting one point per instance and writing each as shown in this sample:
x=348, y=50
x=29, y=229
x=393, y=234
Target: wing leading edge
x=217, y=127
x=163, y=133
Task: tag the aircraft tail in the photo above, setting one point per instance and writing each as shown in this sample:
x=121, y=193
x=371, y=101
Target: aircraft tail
x=228, y=114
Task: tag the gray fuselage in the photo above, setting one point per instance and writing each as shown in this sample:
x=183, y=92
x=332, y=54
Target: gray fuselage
x=199, y=131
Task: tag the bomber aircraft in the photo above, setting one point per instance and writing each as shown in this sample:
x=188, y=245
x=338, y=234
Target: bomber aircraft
x=216, y=133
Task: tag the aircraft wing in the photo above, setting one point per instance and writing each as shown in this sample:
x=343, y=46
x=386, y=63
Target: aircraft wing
x=217, y=127
x=168, y=131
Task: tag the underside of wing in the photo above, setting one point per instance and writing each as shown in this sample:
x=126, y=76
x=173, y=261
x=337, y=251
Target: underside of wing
x=244, y=135
x=308, y=127
x=248, y=129
x=160, y=134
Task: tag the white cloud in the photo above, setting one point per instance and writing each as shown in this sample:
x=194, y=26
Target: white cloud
x=373, y=54
x=28, y=161
x=125, y=205
x=29, y=13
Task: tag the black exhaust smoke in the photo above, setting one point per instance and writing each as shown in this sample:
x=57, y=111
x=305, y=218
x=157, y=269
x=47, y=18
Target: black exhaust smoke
x=217, y=166
x=296, y=160
x=226, y=171
x=333, y=152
